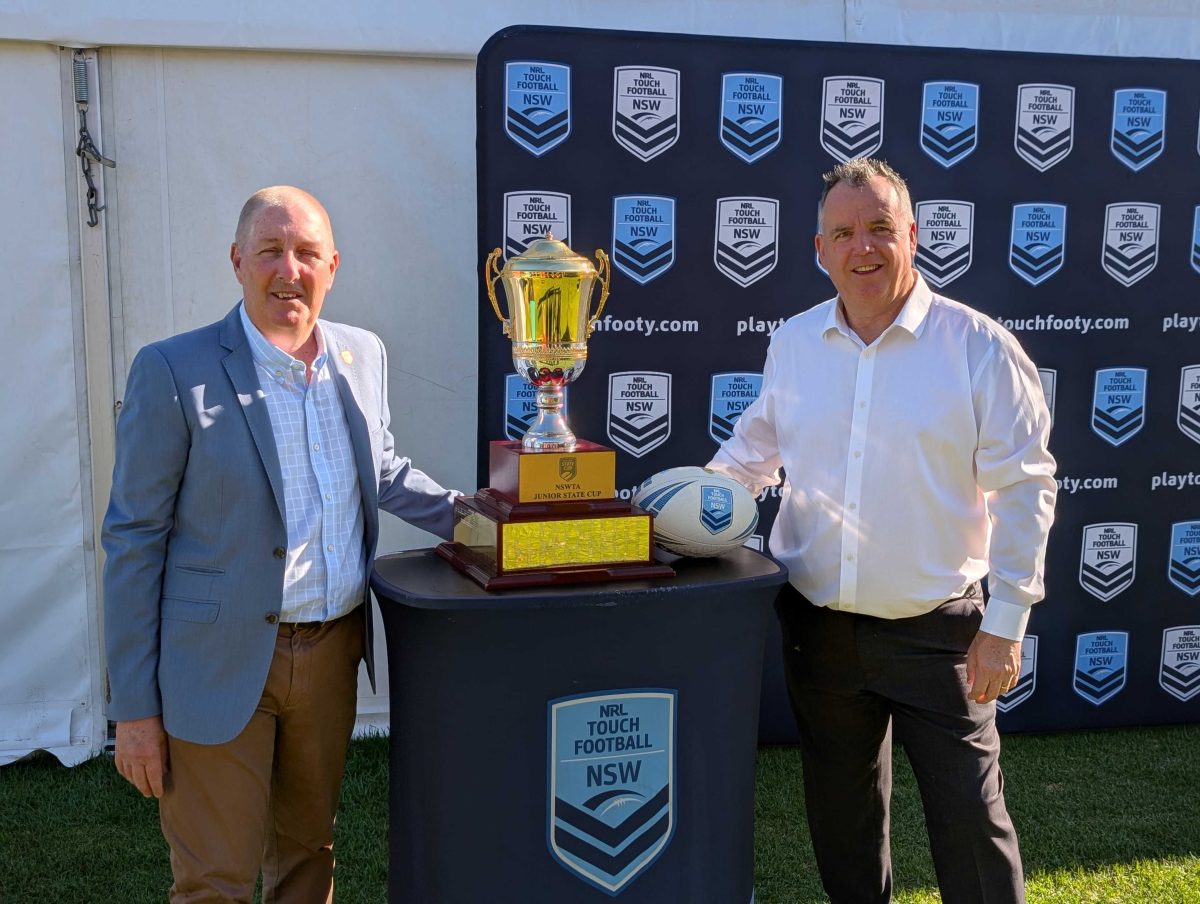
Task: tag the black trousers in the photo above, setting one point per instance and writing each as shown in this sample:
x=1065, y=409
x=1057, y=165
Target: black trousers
x=854, y=681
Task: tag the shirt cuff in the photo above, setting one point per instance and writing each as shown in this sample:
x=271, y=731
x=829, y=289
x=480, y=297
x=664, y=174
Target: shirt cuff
x=1005, y=619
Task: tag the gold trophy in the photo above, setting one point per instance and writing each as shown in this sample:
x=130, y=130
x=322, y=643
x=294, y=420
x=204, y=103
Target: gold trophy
x=550, y=515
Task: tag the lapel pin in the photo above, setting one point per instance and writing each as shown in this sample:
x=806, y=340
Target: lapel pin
x=347, y=357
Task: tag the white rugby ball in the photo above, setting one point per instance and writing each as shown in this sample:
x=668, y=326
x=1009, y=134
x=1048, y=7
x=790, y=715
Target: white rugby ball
x=698, y=512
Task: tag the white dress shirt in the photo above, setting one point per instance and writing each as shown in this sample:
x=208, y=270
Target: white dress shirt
x=324, y=575
x=914, y=466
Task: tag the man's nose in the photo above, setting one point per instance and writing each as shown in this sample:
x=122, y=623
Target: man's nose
x=288, y=266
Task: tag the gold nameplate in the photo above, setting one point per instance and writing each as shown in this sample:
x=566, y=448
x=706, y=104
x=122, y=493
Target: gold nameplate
x=553, y=542
x=588, y=473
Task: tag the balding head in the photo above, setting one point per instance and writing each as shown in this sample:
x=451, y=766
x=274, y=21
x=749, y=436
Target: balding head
x=276, y=196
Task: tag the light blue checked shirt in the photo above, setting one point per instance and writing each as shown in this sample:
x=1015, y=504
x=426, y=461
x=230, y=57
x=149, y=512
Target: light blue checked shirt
x=324, y=575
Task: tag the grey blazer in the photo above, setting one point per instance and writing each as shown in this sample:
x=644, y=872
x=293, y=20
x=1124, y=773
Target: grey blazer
x=195, y=535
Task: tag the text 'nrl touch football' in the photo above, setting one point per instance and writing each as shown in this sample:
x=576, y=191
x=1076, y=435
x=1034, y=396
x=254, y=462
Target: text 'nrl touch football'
x=698, y=512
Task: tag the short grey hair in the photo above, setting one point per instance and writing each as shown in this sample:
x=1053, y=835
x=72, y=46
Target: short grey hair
x=857, y=173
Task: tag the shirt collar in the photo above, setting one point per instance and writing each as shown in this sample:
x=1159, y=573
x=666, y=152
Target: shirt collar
x=911, y=318
x=271, y=356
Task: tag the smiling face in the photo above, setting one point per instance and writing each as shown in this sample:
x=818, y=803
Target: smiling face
x=867, y=243
x=285, y=260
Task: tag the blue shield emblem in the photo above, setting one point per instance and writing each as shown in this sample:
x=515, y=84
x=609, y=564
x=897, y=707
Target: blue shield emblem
x=1119, y=403
x=732, y=393
x=1196, y=240
x=645, y=109
x=716, y=508
x=949, y=121
x=1108, y=559
x=751, y=113
x=611, y=783
x=1130, y=241
x=643, y=236
x=1139, y=125
x=537, y=113
x=747, y=238
x=852, y=124
x=1184, y=570
x=1179, y=668
x=639, y=410
x=1045, y=129
x=944, y=240
x=1039, y=235
x=520, y=405
x=531, y=215
x=1189, y=402
x=1100, y=662
x=1026, y=681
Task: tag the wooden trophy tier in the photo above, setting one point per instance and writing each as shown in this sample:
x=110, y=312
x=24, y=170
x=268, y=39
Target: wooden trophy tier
x=551, y=518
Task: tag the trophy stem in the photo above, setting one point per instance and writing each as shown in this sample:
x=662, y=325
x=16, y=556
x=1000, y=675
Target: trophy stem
x=549, y=431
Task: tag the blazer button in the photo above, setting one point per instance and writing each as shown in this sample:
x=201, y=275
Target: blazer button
x=280, y=552
x=272, y=618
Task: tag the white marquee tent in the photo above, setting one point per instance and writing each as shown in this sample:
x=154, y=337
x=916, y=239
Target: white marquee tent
x=370, y=106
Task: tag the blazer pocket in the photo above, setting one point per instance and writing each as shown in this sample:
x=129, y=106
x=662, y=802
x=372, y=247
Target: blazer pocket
x=190, y=610
x=193, y=582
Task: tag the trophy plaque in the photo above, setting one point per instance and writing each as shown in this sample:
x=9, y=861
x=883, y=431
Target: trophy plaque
x=550, y=514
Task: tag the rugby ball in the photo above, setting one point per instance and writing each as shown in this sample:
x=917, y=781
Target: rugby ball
x=698, y=512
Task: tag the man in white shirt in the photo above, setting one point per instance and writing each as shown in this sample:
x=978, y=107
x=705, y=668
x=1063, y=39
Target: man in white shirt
x=912, y=431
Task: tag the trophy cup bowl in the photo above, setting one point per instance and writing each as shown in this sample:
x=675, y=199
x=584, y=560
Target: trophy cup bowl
x=548, y=288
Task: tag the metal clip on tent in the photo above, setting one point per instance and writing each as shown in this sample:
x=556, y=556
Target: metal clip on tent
x=86, y=150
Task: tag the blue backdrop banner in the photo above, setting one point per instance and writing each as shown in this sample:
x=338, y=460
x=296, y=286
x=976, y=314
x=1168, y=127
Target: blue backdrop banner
x=1058, y=194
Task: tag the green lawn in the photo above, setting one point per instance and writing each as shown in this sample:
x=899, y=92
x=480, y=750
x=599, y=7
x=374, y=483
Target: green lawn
x=1104, y=816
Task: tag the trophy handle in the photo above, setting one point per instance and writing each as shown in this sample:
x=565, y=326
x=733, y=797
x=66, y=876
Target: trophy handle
x=489, y=267
x=605, y=274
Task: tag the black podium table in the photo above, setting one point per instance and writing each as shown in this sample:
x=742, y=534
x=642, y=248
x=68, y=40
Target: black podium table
x=568, y=744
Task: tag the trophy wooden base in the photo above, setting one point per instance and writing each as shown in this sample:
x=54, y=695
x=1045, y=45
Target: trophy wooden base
x=551, y=518
x=483, y=571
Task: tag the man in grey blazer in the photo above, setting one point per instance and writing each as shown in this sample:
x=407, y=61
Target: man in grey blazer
x=253, y=456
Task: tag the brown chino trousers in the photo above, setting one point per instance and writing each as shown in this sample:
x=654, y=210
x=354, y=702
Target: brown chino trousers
x=267, y=799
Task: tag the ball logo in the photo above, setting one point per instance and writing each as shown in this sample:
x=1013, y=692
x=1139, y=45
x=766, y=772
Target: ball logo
x=944, y=240
x=1184, y=568
x=716, y=508
x=1119, y=403
x=1139, y=125
x=732, y=394
x=747, y=236
x=643, y=236
x=852, y=124
x=1108, y=559
x=645, y=109
x=1189, y=402
x=537, y=115
x=1049, y=380
x=1045, y=124
x=639, y=411
x=1195, y=255
x=611, y=783
x=1130, y=241
x=520, y=405
x=529, y=215
x=751, y=113
x=1026, y=680
x=1038, y=246
x=949, y=121
x=1100, y=664
x=1179, y=668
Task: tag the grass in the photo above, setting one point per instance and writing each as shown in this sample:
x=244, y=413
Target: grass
x=1105, y=817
